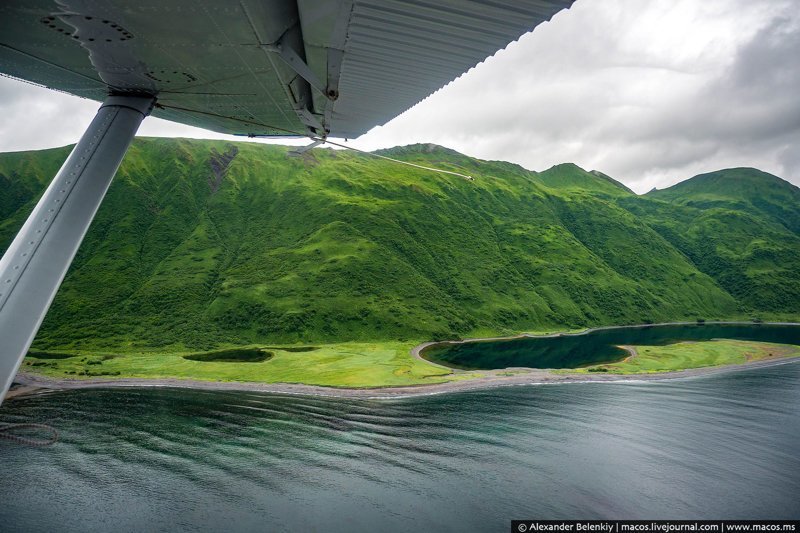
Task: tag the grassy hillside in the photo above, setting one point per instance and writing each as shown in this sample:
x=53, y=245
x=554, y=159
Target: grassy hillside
x=569, y=176
x=740, y=226
x=743, y=189
x=202, y=244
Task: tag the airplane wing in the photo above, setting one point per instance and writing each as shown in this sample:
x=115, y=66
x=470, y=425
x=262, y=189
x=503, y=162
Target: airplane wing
x=249, y=67
x=261, y=67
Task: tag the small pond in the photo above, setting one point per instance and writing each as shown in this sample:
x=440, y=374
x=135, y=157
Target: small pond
x=237, y=355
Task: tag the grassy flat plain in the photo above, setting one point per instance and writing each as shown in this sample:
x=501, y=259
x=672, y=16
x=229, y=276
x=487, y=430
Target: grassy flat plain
x=370, y=365
x=352, y=365
x=685, y=355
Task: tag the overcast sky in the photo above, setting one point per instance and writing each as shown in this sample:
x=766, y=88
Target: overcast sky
x=650, y=92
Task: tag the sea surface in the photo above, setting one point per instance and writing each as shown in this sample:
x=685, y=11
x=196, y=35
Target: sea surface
x=595, y=347
x=718, y=446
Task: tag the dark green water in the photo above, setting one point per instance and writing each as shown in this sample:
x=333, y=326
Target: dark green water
x=722, y=446
x=573, y=351
x=239, y=355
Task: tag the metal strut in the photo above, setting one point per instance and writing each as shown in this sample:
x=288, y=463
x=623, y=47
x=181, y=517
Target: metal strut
x=34, y=265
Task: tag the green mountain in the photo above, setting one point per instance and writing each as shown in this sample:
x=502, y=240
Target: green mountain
x=571, y=176
x=742, y=189
x=739, y=226
x=207, y=243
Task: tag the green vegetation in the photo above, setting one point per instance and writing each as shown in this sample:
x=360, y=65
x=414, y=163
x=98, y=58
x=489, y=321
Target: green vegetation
x=741, y=227
x=684, y=355
x=210, y=245
x=569, y=176
x=355, y=365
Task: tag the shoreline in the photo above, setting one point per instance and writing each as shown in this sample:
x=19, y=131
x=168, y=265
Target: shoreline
x=416, y=351
x=33, y=384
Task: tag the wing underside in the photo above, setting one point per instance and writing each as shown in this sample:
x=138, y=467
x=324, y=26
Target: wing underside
x=256, y=67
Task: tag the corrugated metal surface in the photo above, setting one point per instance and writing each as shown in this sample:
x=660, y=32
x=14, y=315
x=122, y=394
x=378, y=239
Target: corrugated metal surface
x=400, y=51
x=206, y=62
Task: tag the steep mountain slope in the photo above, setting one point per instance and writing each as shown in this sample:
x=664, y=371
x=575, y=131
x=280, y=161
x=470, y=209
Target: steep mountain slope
x=739, y=226
x=206, y=243
x=569, y=176
x=743, y=189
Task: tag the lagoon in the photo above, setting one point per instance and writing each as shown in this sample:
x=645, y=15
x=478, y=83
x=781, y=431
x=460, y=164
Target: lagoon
x=594, y=347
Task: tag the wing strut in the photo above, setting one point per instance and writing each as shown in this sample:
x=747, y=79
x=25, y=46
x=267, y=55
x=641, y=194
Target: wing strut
x=34, y=265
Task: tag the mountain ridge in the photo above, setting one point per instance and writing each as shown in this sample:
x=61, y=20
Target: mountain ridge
x=743, y=187
x=199, y=245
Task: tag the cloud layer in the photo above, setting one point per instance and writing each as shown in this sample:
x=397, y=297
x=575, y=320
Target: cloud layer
x=648, y=92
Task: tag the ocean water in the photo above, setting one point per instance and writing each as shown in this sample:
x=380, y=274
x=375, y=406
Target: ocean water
x=599, y=346
x=718, y=446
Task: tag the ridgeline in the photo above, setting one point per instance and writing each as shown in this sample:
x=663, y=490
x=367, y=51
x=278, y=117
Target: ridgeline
x=208, y=244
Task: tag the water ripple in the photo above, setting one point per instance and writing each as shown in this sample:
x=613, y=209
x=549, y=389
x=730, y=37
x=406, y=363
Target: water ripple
x=723, y=445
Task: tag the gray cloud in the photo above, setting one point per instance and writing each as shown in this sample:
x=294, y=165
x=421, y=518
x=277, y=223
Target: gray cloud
x=648, y=92
x=34, y=117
